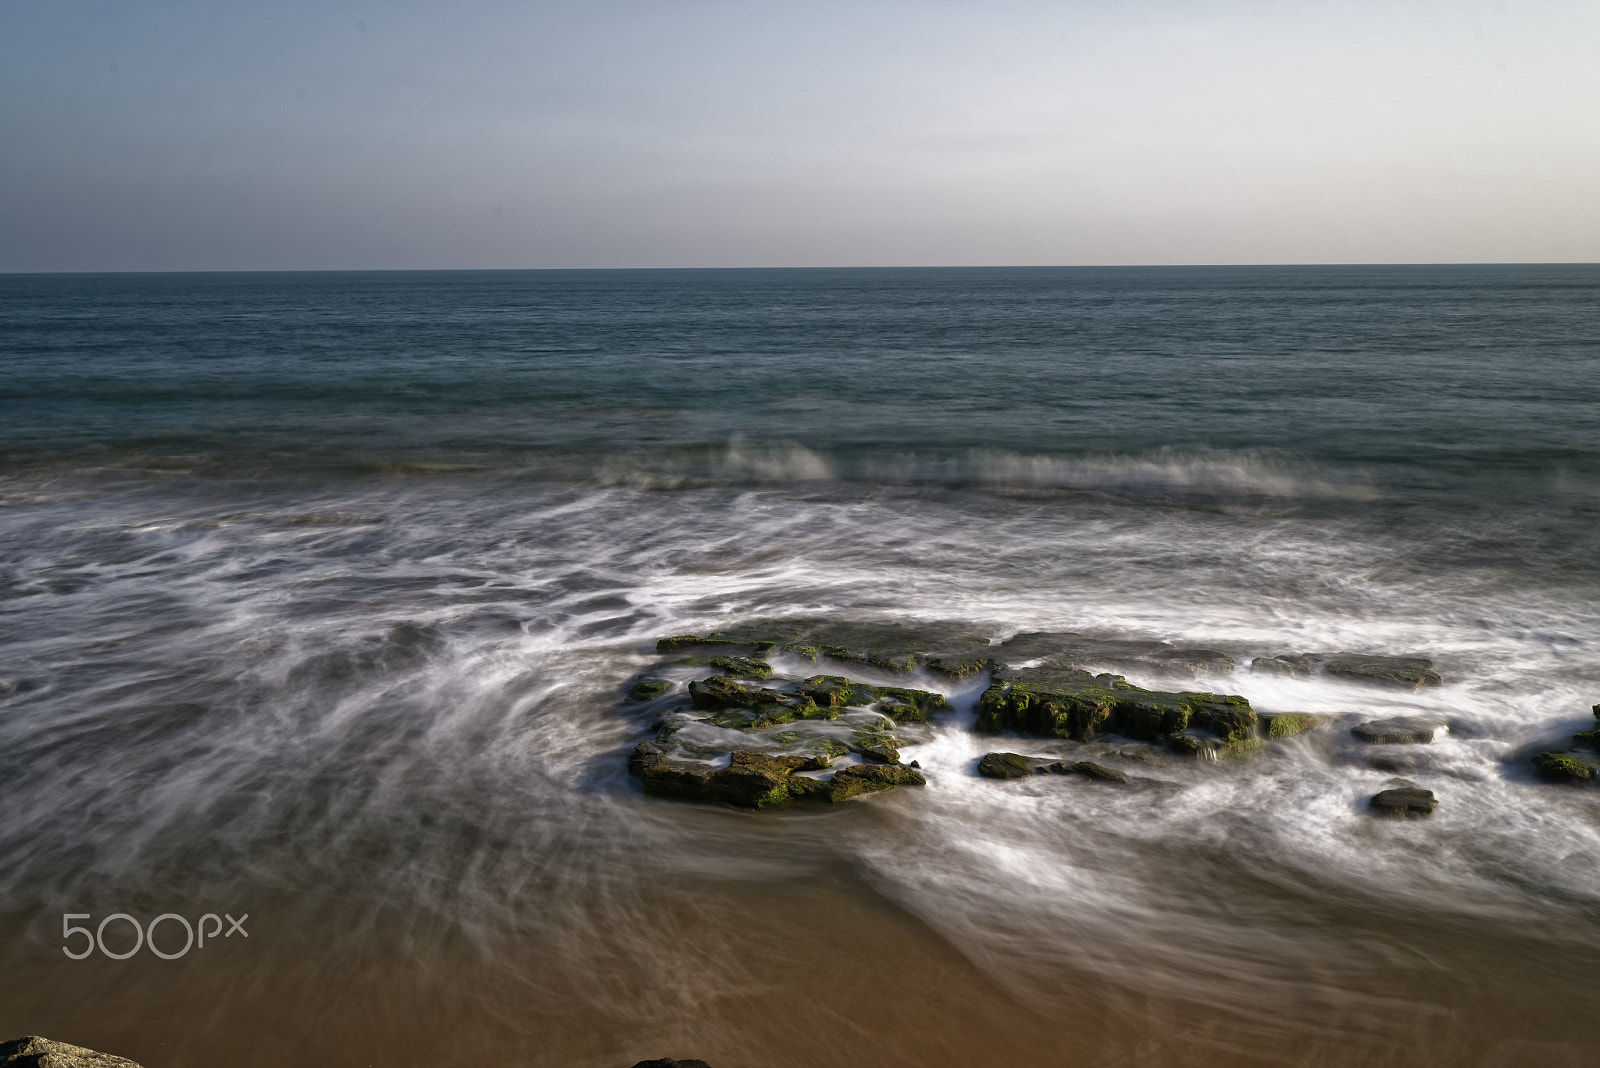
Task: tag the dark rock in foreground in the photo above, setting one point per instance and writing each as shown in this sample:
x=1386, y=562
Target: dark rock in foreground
x=36, y=1052
x=668, y=1062
x=1401, y=730
x=1405, y=802
x=1054, y=701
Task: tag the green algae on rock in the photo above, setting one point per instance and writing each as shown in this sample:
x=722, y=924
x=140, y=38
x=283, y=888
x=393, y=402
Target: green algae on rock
x=761, y=780
x=649, y=689
x=1055, y=701
x=1286, y=724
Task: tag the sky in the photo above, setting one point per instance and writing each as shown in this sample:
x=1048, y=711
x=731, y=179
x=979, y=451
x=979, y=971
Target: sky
x=680, y=133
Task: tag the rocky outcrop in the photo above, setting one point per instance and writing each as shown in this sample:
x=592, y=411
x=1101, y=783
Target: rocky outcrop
x=36, y=1052
x=1405, y=802
x=1056, y=701
x=1400, y=730
x=1410, y=672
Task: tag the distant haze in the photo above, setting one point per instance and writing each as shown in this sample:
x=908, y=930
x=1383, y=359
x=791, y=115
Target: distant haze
x=174, y=136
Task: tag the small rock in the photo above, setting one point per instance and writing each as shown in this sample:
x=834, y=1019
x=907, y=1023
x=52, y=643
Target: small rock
x=1555, y=766
x=1005, y=766
x=1286, y=724
x=1281, y=665
x=36, y=1052
x=648, y=689
x=1404, y=803
x=1099, y=773
x=1402, y=730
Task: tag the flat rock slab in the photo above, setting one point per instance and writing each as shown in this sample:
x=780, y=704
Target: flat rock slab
x=1401, y=730
x=1409, y=672
x=1407, y=802
x=1078, y=650
x=952, y=649
x=36, y=1052
x=1017, y=766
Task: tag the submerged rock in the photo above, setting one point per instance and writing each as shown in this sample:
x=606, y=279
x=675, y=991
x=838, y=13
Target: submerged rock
x=1056, y=701
x=947, y=648
x=1005, y=766
x=1282, y=665
x=649, y=689
x=1406, y=802
x=1400, y=730
x=1412, y=672
x=1099, y=773
x=743, y=667
x=1077, y=650
x=36, y=1052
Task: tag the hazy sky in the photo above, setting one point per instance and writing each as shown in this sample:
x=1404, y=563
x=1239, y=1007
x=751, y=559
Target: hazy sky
x=216, y=135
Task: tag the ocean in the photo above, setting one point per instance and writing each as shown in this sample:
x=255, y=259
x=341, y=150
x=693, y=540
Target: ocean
x=320, y=594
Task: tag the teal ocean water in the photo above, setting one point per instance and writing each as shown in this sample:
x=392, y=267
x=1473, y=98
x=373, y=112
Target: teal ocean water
x=318, y=593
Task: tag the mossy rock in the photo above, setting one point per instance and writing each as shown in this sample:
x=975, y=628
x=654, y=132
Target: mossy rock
x=1005, y=766
x=1405, y=802
x=649, y=689
x=739, y=667
x=760, y=780
x=1286, y=724
x=1055, y=701
x=902, y=705
x=1565, y=766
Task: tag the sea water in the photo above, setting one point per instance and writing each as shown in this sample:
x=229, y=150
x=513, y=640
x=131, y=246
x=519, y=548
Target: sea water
x=319, y=594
